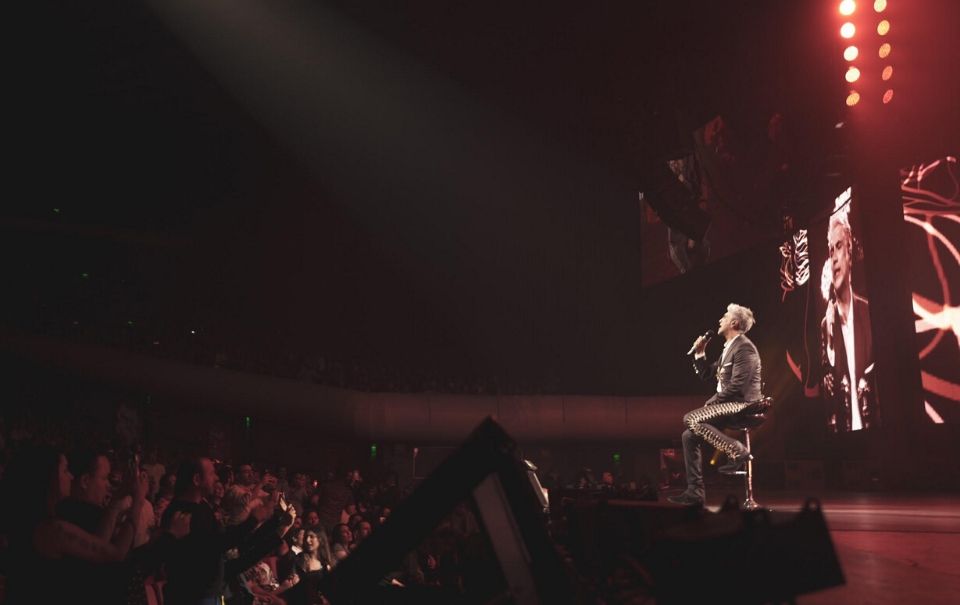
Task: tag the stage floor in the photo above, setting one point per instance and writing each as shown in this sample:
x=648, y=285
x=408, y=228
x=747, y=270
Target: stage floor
x=894, y=548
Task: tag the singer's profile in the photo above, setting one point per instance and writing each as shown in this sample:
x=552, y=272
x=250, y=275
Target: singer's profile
x=737, y=372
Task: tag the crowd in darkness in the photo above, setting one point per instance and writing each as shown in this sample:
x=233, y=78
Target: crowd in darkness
x=91, y=525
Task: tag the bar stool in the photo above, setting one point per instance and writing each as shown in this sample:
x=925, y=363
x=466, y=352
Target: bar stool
x=750, y=418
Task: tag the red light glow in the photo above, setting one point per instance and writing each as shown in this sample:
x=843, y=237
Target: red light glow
x=887, y=73
x=853, y=74
x=850, y=53
x=888, y=96
x=847, y=7
x=884, y=50
x=847, y=30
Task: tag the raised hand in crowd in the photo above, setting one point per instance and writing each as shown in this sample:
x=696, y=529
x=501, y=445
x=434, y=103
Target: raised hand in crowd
x=262, y=509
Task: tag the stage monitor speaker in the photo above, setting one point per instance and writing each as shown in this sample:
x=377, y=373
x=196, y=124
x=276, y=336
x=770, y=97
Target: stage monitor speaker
x=487, y=468
x=745, y=557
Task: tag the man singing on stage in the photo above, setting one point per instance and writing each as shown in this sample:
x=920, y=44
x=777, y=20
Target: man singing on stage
x=846, y=349
x=738, y=386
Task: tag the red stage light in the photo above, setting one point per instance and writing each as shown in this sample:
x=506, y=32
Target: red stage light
x=853, y=74
x=884, y=50
x=883, y=28
x=847, y=7
x=853, y=98
x=850, y=53
x=887, y=73
x=888, y=96
x=847, y=30
x=879, y=5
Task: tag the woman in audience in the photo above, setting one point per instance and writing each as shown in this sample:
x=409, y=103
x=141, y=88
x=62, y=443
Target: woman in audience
x=342, y=541
x=312, y=564
x=41, y=545
x=323, y=550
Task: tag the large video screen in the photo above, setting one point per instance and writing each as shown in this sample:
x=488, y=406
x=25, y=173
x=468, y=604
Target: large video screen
x=823, y=266
x=931, y=210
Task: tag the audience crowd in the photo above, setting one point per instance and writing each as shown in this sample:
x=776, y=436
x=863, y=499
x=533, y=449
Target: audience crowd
x=95, y=525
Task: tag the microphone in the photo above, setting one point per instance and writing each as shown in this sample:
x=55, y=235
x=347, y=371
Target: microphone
x=708, y=335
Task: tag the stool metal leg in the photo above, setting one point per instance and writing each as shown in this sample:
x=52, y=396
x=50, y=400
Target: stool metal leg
x=749, y=503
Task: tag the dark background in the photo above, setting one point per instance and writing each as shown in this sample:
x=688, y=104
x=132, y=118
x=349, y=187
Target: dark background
x=151, y=201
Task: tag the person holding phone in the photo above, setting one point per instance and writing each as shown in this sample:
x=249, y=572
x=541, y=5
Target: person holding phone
x=197, y=569
x=46, y=545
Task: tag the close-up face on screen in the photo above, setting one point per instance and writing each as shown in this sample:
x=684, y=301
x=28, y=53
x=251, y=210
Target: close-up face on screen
x=847, y=384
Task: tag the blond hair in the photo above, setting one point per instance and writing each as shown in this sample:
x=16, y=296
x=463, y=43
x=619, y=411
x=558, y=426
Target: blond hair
x=742, y=315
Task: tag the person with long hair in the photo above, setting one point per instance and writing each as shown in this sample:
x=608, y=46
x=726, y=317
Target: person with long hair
x=312, y=565
x=342, y=541
x=41, y=544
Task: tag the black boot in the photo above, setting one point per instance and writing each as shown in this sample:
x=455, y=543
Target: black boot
x=686, y=499
x=737, y=465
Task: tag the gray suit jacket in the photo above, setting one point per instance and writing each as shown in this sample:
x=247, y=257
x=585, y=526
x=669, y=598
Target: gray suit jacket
x=739, y=374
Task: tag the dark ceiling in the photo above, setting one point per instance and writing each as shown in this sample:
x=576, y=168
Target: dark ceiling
x=494, y=230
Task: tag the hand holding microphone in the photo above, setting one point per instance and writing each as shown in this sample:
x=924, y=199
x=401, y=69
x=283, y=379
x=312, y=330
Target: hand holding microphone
x=701, y=342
